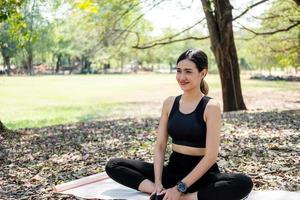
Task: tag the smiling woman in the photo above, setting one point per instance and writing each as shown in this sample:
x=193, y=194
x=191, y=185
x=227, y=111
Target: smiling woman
x=193, y=121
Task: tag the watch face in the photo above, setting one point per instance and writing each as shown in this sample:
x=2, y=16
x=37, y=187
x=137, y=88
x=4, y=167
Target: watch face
x=181, y=187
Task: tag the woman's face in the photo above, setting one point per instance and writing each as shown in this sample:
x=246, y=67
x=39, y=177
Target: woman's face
x=188, y=76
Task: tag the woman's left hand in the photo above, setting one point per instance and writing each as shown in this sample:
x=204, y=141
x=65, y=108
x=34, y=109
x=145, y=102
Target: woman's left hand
x=171, y=194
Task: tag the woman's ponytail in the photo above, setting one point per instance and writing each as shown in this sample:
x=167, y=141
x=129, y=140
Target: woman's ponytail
x=204, y=87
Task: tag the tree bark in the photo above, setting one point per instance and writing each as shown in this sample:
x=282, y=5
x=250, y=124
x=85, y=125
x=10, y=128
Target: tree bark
x=6, y=63
x=29, y=61
x=219, y=22
x=58, y=63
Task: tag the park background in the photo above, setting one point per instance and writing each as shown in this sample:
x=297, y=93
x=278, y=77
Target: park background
x=83, y=81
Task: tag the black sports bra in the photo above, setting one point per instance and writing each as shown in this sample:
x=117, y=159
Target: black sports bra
x=188, y=129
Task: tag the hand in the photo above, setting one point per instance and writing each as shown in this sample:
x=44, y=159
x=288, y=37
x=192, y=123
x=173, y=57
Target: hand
x=158, y=188
x=171, y=194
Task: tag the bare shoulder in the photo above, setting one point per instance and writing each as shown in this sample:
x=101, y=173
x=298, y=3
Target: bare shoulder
x=213, y=108
x=168, y=103
x=212, y=103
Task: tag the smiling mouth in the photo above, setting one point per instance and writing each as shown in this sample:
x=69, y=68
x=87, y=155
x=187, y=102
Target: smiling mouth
x=183, y=83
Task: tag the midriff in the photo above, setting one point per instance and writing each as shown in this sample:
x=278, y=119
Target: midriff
x=193, y=151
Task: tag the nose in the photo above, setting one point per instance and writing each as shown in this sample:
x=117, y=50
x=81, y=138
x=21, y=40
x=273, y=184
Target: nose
x=182, y=77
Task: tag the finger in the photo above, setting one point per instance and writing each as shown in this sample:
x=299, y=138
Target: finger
x=162, y=192
x=165, y=197
x=160, y=189
x=153, y=193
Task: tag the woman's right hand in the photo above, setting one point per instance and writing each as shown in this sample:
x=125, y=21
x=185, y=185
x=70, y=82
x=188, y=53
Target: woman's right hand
x=158, y=188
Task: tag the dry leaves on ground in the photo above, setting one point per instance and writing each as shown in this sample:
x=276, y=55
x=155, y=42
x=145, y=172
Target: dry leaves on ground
x=264, y=145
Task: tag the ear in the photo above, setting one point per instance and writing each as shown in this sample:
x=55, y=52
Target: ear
x=204, y=72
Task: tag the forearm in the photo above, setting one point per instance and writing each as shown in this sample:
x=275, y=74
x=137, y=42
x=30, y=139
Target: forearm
x=201, y=168
x=159, y=155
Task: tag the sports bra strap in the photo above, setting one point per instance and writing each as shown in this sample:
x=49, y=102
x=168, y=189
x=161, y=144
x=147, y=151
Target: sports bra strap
x=175, y=106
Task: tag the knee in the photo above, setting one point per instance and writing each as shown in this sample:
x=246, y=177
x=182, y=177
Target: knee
x=111, y=166
x=244, y=183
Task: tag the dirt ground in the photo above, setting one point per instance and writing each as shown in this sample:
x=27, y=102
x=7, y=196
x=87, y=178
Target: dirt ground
x=262, y=142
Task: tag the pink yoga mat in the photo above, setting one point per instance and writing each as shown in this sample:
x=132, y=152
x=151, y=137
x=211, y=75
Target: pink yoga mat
x=100, y=186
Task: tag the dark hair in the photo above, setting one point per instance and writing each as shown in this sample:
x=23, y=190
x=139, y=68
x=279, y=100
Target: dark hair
x=198, y=57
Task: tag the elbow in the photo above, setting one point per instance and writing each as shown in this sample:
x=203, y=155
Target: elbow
x=160, y=147
x=213, y=157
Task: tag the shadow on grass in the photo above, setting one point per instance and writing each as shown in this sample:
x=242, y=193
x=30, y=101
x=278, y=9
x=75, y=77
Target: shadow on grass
x=66, y=152
x=288, y=119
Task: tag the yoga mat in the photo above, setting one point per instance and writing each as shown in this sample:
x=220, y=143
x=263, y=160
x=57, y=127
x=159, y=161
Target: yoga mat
x=100, y=186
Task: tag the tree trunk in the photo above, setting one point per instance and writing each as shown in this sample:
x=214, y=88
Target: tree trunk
x=6, y=63
x=219, y=22
x=171, y=67
x=122, y=63
x=29, y=63
x=58, y=63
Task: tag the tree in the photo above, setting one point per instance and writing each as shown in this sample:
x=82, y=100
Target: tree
x=29, y=33
x=8, y=45
x=284, y=46
x=218, y=15
x=9, y=7
x=219, y=22
x=103, y=32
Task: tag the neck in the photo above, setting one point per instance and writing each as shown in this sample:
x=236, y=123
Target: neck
x=192, y=95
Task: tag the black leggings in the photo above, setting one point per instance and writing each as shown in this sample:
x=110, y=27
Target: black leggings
x=213, y=185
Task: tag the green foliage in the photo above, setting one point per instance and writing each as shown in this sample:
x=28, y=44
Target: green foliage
x=9, y=7
x=283, y=47
x=8, y=44
x=99, y=32
x=280, y=50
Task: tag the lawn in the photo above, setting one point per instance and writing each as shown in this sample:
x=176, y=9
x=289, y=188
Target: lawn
x=118, y=115
x=48, y=100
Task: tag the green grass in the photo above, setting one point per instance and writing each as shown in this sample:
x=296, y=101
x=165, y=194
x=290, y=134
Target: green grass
x=47, y=100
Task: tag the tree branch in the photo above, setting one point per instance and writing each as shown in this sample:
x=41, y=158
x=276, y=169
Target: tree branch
x=249, y=8
x=173, y=36
x=267, y=17
x=130, y=26
x=129, y=31
x=169, y=42
x=271, y=32
x=284, y=50
x=212, y=24
x=127, y=11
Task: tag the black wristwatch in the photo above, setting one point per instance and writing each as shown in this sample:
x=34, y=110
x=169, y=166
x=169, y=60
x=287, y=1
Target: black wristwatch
x=181, y=187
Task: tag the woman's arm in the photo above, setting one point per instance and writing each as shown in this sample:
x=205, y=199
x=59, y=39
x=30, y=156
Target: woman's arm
x=161, y=141
x=213, y=131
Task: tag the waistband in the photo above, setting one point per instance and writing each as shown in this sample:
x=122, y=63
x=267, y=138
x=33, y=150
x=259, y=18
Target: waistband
x=184, y=161
x=179, y=156
x=175, y=153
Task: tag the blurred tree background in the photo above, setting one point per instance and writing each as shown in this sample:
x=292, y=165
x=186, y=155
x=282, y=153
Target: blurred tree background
x=90, y=36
